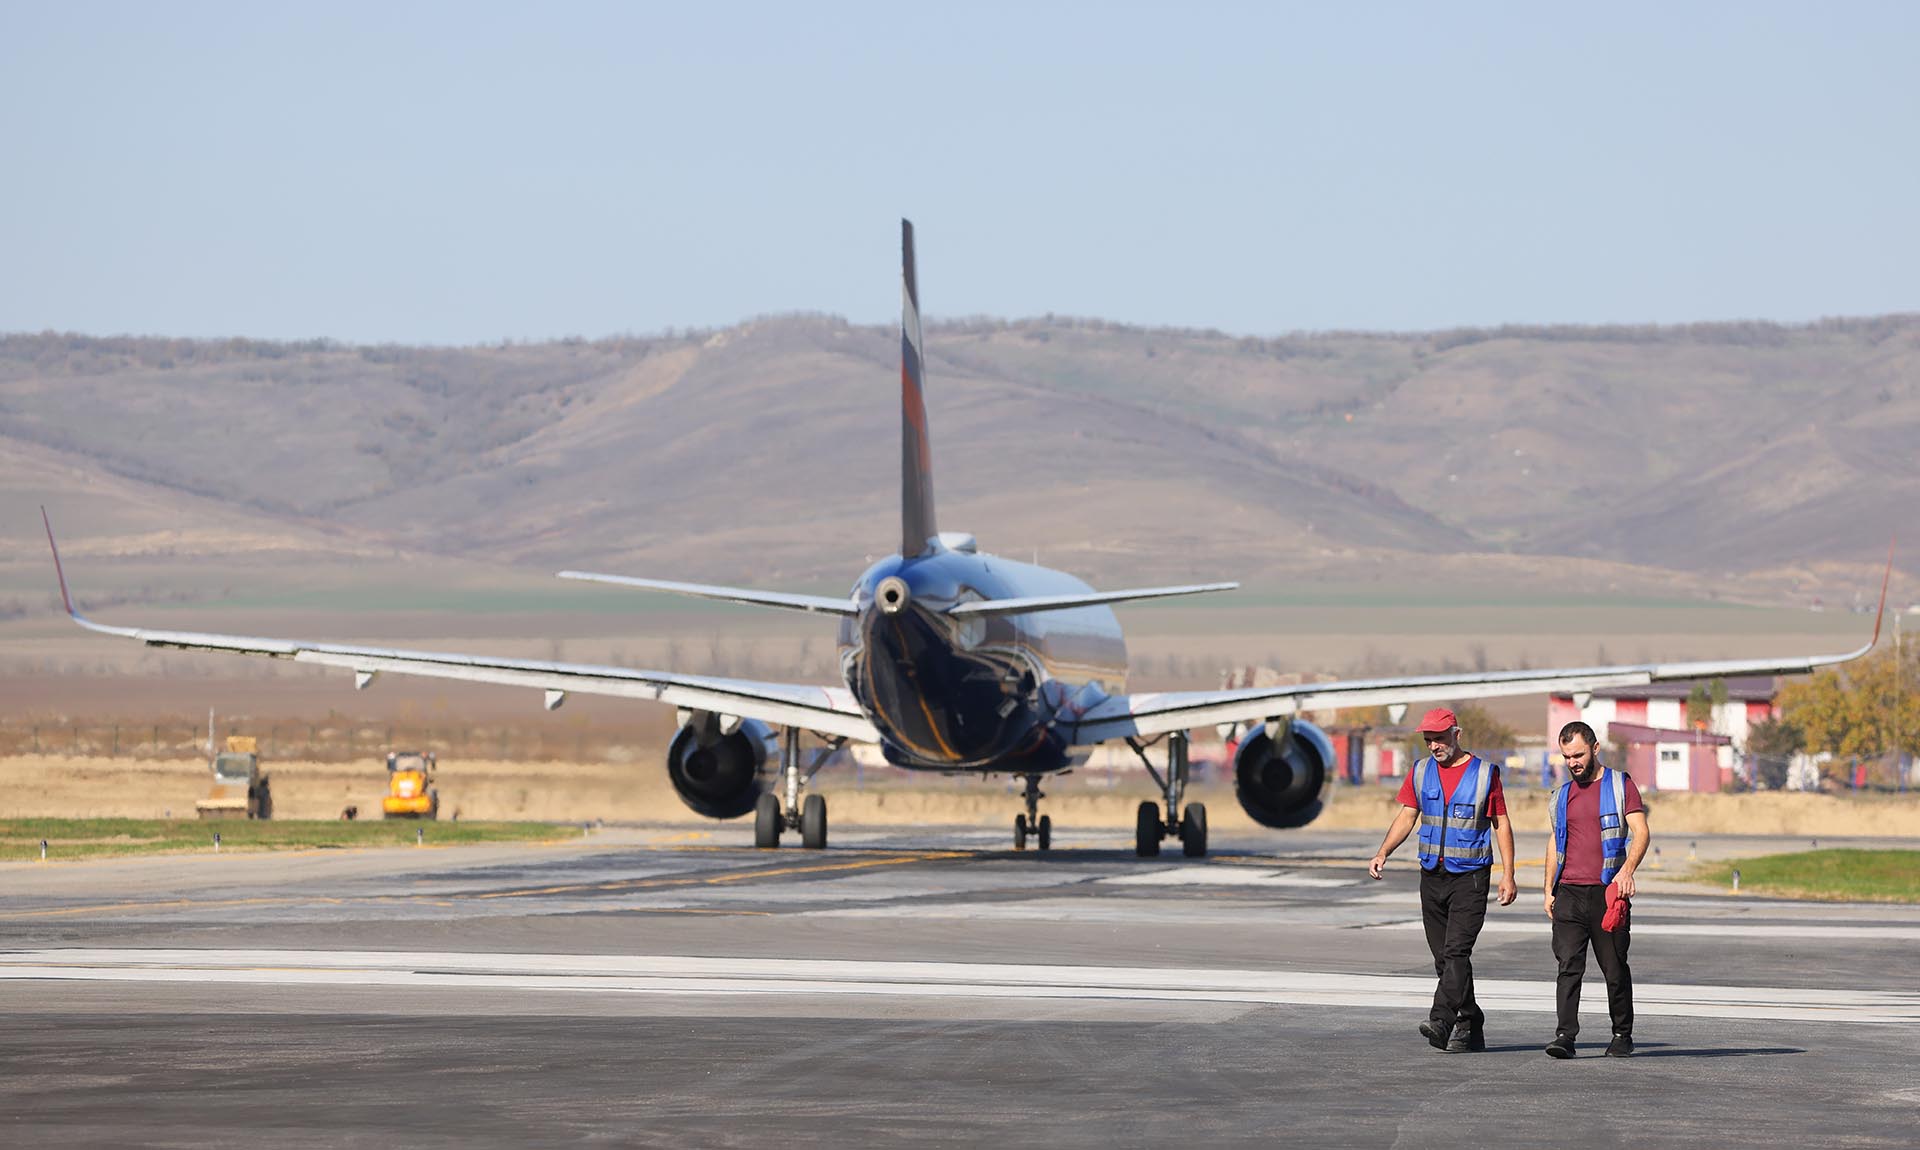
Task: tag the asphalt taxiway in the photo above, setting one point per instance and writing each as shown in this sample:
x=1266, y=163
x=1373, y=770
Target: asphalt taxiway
x=906, y=987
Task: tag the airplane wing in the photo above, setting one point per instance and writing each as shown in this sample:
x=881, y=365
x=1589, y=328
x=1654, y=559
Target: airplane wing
x=1147, y=715
x=826, y=710
x=819, y=604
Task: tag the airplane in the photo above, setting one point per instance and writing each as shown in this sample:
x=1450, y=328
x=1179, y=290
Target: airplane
x=958, y=661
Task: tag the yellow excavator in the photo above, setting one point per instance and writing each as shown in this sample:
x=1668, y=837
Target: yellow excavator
x=410, y=790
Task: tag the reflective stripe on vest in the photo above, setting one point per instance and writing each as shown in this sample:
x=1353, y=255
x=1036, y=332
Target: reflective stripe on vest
x=1456, y=833
x=1613, y=824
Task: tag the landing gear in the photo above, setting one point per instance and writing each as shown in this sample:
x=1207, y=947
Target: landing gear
x=1189, y=825
x=771, y=817
x=813, y=823
x=1042, y=832
x=1147, y=831
x=767, y=822
x=1033, y=822
x=1193, y=831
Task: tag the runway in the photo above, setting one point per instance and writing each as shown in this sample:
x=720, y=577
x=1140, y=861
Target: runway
x=656, y=987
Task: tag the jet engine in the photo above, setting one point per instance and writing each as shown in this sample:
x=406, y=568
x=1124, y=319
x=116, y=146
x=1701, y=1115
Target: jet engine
x=1282, y=782
x=715, y=765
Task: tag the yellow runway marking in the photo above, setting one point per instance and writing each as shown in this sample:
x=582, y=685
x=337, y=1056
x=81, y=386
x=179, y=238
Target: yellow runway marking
x=163, y=904
x=695, y=910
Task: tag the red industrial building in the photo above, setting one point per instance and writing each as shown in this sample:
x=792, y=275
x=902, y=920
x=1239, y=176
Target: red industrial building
x=1665, y=752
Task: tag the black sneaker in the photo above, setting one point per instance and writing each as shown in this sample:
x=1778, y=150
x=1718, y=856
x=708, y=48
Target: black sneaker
x=1436, y=1037
x=1621, y=1046
x=1561, y=1046
x=1477, y=1041
x=1461, y=1040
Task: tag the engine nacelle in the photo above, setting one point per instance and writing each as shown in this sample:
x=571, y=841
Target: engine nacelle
x=1284, y=784
x=719, y=775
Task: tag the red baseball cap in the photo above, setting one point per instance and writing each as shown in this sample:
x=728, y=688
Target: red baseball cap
x=1438, y=719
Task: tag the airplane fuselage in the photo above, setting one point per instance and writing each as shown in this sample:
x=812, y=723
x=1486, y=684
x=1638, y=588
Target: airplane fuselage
x=979, y=692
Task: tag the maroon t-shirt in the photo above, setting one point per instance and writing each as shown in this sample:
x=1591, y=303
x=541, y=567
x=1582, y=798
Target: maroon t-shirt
x=1582, y=865
x=1449, y=779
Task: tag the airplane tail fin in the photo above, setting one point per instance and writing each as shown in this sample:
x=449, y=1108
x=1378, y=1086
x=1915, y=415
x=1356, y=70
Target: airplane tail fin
x=916, y=454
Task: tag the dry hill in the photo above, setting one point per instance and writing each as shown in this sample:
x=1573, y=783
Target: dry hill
x=768, y=452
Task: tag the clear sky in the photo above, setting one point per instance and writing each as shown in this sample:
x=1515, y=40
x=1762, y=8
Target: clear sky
x=467, y=172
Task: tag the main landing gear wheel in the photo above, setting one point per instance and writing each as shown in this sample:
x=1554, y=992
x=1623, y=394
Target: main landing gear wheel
x=1046, y=832
x=813, y=823
x=1193, y=830
x=1188, y=822
x=1020, y=832
x=767, y=821
x=1147, y=831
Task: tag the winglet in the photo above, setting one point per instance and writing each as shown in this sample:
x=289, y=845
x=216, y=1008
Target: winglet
x=916, y=456
x=58, y=571
x=1880, y=615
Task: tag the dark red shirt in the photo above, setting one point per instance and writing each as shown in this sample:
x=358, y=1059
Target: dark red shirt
x=1449, y=778
x=1582, y=864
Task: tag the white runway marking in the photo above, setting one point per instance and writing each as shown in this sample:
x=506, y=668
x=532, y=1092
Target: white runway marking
x=1538, y=924
x=1225, y=876
x=645, y=974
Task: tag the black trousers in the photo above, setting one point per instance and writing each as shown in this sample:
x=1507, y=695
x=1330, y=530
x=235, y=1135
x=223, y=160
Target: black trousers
x=1454, y=907
x=1577, y=912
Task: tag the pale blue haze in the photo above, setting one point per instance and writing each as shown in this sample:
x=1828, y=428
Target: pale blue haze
x=457, y=173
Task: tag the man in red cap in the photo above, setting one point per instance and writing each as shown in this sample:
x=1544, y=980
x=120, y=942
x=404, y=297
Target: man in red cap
x=1599, y=837
x=1456, y=800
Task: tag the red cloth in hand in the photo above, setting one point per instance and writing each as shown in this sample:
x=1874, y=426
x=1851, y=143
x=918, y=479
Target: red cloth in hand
x=1616, y=908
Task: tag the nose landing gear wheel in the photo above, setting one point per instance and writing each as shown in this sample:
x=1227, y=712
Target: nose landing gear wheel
x=1033, y=822
x=1147, y=831
x=813, y=823
x=1193, y=831
x=766, y=822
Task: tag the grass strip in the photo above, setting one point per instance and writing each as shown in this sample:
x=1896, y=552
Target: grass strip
x=1840, y=874
x=99, y=838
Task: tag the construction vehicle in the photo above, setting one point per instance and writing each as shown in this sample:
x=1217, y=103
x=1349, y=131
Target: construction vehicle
x=410, y=789
x=240, y=790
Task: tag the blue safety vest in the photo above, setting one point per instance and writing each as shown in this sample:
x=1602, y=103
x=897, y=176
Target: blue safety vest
x=1613, y=824
x=1456, y=833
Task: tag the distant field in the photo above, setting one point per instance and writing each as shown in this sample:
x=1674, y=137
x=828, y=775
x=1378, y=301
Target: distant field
x=98, y=838
x=1850, y=875
x=635, y=790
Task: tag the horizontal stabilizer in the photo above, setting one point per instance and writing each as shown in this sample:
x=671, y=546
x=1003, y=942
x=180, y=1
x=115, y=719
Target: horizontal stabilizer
x=1068, y=602
x=819, y=604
